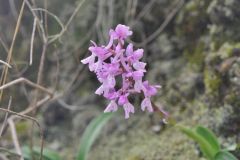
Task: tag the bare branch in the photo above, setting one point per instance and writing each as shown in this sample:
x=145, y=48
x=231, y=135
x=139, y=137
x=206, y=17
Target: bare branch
x=163, y=25
x=15, y=138
x=74, y=14
x=32, y=40
x=5, y=63
x=5, y=118
x=19, y=80
x=14, y=133
x=5, y=71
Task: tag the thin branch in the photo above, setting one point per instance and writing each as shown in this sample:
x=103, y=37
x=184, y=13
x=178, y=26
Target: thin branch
x=74, y=14
x=134, y=9
x=5, y=118
x=13, y=9
x=56, y=72
x=143, y=12
x=56, y=36
x=5, y=63
x=19, y=80
x=163, y=25
x=46, y=16
x=70, y=107
x=22, y=116
x=39, y=22
x=127, y=12
x=5, y=71
x=15, y=138
x=32, y=40
x=110, y=14
x=39, y=103
x=39, y=81
x=40, y=70
x=14, y=133
x=68, y=22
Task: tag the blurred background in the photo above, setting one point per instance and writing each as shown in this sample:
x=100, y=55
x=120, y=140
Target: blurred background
x=192, y=48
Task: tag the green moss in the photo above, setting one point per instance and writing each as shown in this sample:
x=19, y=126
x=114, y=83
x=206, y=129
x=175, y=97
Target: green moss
x=212, y=81
x=134, y=157
x=214, y=61
x=196, y=57
x=143, y=144
x=226, y=50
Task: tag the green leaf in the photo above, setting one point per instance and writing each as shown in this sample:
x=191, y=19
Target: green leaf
x=47, y=154
x=224, y=155
x=91, y=133
x=209, y=137
x=205, y=146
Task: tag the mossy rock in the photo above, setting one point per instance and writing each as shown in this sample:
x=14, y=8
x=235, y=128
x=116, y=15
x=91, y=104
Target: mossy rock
x=212, y=81
x=142, y=143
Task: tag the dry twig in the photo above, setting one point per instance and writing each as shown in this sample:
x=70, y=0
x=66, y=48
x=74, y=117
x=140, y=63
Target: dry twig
x=5, y=118
x=5, y=63
x=5, y=71
x=13, y=129
x=24, y=80
x=32, y=40
x=163, y=25
x=15, y=138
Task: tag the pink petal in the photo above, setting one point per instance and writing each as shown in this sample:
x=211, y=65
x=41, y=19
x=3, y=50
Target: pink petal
x=146, y=103
x=100, y=90
x=128, y=108
x=129, y=49
x=137, y=75
x=112, y=107
x=89, y=59
x=139, y=66
x=123, y=99
x=138, y=86
x=123, y=31
x=138, y=54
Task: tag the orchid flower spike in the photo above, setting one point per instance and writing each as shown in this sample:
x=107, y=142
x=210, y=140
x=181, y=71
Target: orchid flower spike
x=114, y=60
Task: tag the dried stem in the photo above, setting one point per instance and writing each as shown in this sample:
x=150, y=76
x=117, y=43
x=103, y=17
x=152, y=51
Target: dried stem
x=14, y=133
x=163, y=25
x=19, y=80
x=39, y=103
x=143, y=12
x=32, y=40
x=74, y=14
x=5, y=118
x=5, y=71
x=15, y=138
x=5, y=63
x=40, y=70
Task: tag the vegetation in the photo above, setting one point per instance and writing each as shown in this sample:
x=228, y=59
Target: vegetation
x=47, y=99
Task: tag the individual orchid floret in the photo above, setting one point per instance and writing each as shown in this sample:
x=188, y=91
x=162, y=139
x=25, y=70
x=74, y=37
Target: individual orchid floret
x=112, y=107
x=121, y=32
x=146, y=103
x=128, y=108
x=90, y=61
x=113, y=62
